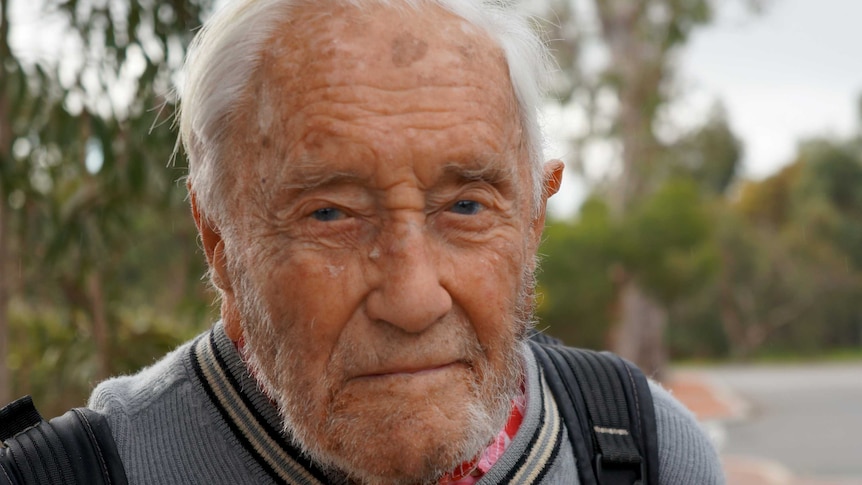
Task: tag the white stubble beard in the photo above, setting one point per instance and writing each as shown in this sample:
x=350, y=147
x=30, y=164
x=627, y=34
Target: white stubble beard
x=280, y=376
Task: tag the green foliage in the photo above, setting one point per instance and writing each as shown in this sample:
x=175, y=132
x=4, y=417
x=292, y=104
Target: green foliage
x=576, y=288
x=54, y=355
x=665, y=240
x=709, y=155
x=790, y=249
x=744, y=269
x=97, y=224
x=664, y=244
x=659, y=215
x=828, y=199
x=50, y=358
x=767, y=203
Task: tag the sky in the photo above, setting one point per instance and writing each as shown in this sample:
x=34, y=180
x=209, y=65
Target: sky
x=794, y=71
x=789, y=73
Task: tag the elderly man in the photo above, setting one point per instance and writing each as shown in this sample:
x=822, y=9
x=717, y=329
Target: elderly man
x=366, y=176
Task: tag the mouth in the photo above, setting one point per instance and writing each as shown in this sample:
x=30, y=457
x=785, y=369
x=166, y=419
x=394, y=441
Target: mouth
x=410, y=371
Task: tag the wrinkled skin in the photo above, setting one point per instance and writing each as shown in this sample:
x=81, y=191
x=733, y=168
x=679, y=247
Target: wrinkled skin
x=378, y=259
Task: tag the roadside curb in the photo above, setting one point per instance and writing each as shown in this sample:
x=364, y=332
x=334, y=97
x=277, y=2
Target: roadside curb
x=708, y=400
x=715, y=405
x=745, y=470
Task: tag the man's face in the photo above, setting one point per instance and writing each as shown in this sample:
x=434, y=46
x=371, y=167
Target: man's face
x=382, y=248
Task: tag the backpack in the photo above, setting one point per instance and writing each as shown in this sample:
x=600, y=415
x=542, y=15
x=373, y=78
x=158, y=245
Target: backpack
x=76, y=448
x=599, y=395
x=607, y=400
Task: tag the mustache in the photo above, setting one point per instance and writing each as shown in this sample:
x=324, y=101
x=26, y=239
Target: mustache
x=390, y=348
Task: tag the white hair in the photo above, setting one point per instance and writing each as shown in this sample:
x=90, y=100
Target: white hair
x=229, y=48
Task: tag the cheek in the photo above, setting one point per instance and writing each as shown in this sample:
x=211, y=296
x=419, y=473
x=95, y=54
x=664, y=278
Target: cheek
x=486, y=286
x=312, y=297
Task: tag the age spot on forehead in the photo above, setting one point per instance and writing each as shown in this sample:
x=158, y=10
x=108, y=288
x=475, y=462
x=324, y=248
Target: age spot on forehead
x=407, y=49
x=468, y=51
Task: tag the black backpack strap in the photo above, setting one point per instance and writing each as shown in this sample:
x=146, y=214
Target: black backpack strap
x=17, y=416
x=560, y=378
x=75, y=448
x=606, y=400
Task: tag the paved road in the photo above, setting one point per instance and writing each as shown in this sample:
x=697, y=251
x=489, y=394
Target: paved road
x=809, y=418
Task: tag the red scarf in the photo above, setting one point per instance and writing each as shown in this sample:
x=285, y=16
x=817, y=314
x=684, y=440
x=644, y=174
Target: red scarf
x=470, y=472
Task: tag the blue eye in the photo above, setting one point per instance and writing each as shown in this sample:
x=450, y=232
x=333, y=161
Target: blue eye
x=327, y=214
x=467, y=207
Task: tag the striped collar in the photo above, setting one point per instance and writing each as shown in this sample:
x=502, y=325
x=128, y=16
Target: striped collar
x=247, y=411
x=536, y=446
x=254, y=423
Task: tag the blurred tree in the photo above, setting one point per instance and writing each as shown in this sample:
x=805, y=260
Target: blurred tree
x=5, y=148
x=709, y=155
x=576, y=288
x=791, y=259
x=770, y=281
x=667, y=241
x=767, y=203
x=84, y=142
x=623, y=101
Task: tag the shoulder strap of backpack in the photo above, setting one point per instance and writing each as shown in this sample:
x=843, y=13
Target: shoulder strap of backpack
x=75, y=448
x=607, y=406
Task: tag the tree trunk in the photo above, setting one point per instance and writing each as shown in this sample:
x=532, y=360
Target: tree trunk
x=639, y=335
x=637, y=65
x=5, y=157
x=100, y=324
x=5, y=382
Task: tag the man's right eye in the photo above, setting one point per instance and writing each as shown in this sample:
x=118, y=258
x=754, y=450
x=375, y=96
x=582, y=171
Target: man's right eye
x=467, y=207
x=327, y=214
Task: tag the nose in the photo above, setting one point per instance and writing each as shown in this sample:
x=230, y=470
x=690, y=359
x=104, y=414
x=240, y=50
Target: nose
x=409, y=293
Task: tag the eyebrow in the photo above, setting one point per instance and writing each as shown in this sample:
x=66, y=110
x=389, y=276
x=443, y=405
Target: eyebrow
x=310, y=179
x=492, y=171
x=309, y=175
x=307, y=178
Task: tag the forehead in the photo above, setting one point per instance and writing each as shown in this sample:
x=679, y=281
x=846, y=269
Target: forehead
x=336, y=79
x=380, y=38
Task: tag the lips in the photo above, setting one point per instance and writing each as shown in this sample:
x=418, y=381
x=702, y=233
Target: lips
x=408, y=370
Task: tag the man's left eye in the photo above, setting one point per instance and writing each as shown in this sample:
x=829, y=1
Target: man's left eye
x=467, y=207
x=327, y=214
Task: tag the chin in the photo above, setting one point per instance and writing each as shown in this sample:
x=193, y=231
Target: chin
x=399, y=429
x=402, y=429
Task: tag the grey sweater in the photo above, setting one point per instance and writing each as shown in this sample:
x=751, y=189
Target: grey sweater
x=197, y=417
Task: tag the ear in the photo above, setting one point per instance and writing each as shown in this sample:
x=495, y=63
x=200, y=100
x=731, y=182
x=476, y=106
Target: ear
x=217, y=260
x=552, y=178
